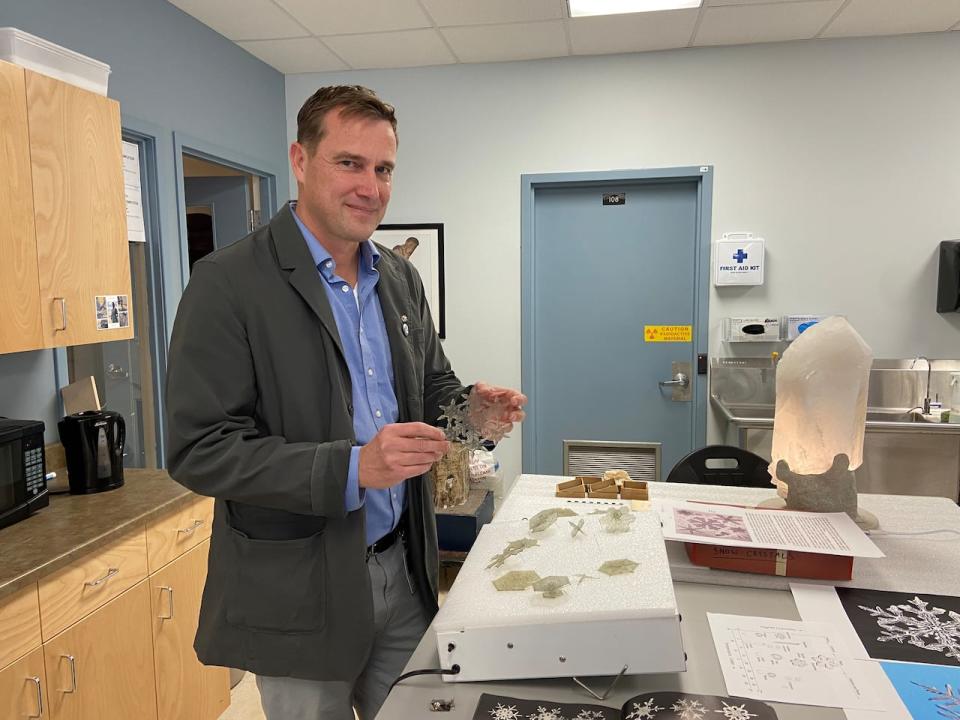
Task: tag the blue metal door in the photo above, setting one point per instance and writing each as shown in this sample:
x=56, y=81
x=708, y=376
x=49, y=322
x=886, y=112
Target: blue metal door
x=595, y=276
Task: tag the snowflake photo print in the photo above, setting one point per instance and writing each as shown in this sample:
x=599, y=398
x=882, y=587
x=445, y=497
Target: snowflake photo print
x=647, y=706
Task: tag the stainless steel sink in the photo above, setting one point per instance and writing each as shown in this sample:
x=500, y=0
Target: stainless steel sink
x=895, y=415
x=765, y=413
x=904, y=452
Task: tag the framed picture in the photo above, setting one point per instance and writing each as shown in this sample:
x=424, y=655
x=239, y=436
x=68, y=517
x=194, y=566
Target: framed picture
x=422, y=245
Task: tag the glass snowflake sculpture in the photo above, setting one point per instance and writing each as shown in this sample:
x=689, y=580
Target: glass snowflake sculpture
x=920, y=626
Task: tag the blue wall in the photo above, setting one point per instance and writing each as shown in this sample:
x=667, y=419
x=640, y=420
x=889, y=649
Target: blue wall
x=170, y=73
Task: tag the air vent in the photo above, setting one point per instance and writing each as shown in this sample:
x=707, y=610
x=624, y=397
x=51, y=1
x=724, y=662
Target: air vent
x=641, y=460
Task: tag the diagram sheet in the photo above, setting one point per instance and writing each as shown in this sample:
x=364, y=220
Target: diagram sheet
x=795, y=662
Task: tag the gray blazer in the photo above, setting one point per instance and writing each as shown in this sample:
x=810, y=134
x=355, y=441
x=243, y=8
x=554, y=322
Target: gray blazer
x=260, y=417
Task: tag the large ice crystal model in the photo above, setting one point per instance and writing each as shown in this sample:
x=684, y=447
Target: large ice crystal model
x=820, y=418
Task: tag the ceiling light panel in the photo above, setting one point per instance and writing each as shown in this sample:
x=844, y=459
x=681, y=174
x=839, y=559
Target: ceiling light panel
x=586, y=8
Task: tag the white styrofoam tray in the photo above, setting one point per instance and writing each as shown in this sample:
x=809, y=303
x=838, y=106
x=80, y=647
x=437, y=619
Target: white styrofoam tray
x=48, y=58
x=597, y=627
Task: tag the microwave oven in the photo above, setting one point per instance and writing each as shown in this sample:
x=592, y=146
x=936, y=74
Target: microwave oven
x=23, y=484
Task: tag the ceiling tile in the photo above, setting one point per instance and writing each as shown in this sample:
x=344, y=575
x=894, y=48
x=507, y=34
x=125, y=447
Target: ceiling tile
x=635, y=32
x=517, y=41
x=333, y=17
x=298, y=55
x=742, y=24
x=893, y=17
x=480, y=12
x=260, y=19
x=410, y=48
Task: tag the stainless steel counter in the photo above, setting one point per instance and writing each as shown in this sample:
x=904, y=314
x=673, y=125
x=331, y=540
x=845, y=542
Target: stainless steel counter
x=903, y=453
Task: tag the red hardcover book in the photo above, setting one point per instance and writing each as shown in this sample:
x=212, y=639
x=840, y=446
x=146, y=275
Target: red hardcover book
x=787, y=563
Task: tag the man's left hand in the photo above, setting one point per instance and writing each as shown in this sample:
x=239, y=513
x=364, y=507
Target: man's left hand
x=495, y=409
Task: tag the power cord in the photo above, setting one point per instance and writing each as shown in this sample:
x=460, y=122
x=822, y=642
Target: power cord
x=455, y=670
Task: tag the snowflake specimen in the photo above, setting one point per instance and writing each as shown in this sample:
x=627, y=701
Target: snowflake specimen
x=920, y=626
x=735, y=712
x=689, y=709
x=642, y=711
x=505, y=712
x=589, y=715
x=543, y=714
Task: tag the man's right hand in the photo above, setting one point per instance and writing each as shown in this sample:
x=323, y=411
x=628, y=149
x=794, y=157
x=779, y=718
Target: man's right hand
x=398, y=452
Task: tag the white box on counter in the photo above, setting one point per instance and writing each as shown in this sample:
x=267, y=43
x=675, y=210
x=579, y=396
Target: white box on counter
x=43, y=56
x=599, y=624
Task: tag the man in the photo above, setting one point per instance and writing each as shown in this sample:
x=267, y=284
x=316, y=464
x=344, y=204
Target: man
x=304, y=381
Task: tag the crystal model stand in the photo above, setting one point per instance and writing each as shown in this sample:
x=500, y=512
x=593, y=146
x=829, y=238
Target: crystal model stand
x=832, y=491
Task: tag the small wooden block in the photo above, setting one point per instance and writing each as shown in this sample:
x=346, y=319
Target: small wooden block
x=80, y=395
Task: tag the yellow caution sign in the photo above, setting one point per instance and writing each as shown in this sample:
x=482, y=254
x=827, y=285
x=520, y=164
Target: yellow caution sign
x=668, y=333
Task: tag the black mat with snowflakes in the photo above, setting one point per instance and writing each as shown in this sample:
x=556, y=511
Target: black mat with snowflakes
x=648, y=706
x=910, y=627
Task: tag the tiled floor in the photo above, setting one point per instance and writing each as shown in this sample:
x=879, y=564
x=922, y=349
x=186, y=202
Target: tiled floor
x=244, y=701
x=245, y=698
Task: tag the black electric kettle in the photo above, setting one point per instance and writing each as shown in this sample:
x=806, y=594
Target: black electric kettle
x=93, y=442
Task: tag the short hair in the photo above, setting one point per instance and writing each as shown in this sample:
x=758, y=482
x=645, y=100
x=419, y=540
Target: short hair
x=351, y=100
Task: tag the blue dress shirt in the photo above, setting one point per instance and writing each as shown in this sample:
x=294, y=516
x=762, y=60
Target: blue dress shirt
x=367, y=349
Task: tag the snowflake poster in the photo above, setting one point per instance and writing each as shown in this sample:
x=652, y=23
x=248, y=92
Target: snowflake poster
x=684, y=706
x=927, y=691
x=496, y=707
x=658, y=705
x=908, y=627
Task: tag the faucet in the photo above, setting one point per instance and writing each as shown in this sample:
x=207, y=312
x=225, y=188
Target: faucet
x=926, y=396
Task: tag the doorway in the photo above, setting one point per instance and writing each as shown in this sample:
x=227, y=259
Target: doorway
x=223, y=204
x=606, y=257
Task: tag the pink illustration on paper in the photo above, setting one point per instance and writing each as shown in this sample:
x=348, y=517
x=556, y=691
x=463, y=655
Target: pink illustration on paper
x=711, y=524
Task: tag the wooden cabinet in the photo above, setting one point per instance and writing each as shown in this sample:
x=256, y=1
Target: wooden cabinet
x=23, y=688
x=69, y=594
x=102, y=667
x=20, y=325
x=172, y=535
x=19, y=625
x=117, y=642
x=186, y=690
x=62, y=200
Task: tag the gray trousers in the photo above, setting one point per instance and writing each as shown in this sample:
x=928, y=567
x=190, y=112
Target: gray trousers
x=399, y=623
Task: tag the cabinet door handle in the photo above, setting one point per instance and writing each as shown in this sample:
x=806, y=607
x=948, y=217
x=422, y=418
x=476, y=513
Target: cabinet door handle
x=63, y=313
x=169, y=590
x=36, y=681
x=99, y=581
x=73, y=673
x=191, y=529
